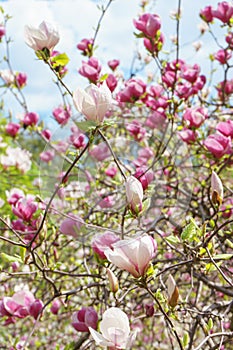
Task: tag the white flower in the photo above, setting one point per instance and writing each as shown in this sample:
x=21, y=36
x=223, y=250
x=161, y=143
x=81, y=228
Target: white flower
x=216, y=189
x=46, y=35
x=114, y=328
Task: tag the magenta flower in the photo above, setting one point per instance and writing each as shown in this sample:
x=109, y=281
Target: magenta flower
x=226, y=128
x=24, y=209
x=77, y=138
x=12, y=129
x=35, y=308
x=101, y=242
x=134, y=89
x=93, y=102
x=222, y=56
x=46, y=133
x=111, y=82
x=2, y=31
x=62, y=114
x=187, y=135
x=148, y=24
x=85, y=318
x=85, y=46
x=55, y=307
x=47, y=156
x=195, y=116
x=224, y=11
x=136, y=130
x=144, y=176
x=113, y=64
x=218, y=145
x=21, y=79
x=71, y=226
x=91, y=69
x=207, y=14
x=45, y=36
x=30, y=119
x=133, y=255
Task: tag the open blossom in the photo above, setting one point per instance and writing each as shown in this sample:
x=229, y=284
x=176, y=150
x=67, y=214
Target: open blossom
x=45, y=36
x=207, y=14
x=86, y=46
x=30, y=118
x=7, y=76
x=12, y=129
x=20, y=305
x=226, y=128
x=71, y=226
x=84, y=318
x=24, y=208
x=115, y=330
x=93, y=102
x=195, y=116
x=134, y=194
x=133, y=90
x=101, y=242
x=91, y=69
x=149, y=24
x=62, y=114
x=216, y=189
x=224, y=11
x=17, y=157
x=187, y=135
x=133, y=255
x=136, y=129
x=100, y=152
x=77, y=138
x=218, y=145
x=222, y=56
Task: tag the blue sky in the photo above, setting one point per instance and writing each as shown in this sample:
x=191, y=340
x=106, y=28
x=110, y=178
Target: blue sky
x=76, y=19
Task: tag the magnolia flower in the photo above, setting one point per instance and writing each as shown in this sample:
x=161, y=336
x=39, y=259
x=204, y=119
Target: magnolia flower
x=71, y=226
x=134, y=194
x=85, y=318
x=114, y=328
x=133, y=255
x=216, y=189
x=113, y=281
x=45, y=36
x=172, y=291
x=93, y=102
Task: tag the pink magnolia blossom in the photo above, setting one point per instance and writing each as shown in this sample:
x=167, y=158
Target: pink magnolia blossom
x=91, y=69
x=136, y=130
x=24, y=208
x=101, y=242
x=16, y=157
x=113, y=64
x=86, y=46
x=226, y=128
x=30, y=118
x=156, y=120
x=100, y=152
x=46, y=133
x=14, y=195
x=115, y=330
x=195, y=116
x=229, y=40
x=45, y=36
x=47, y=156
x=55, y=307
x=93, y=102
x=222, y=56
x=77, y=138
x=111, y=171
x=2, y=31
x=7, y=76
x=207, y=14
x=134, y=89
x=144, y=176
x=12, y=129
x=187, y=135
x=85, y=318
x=21, y=79
x=20, y=305
x=62, y=114
x=225, y=88
x=148, y=24
x=154, y=45
x=218, y=145
x=133, y=255
x=71, y=226
x=224, y=11
x=111, y=82
x=134, y=194
x=106, y=202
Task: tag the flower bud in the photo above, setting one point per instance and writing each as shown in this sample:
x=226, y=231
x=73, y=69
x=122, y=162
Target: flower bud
x=113, y=281
x=134, y=194
x=36, y=308
x=216, y=189
x=173, y=291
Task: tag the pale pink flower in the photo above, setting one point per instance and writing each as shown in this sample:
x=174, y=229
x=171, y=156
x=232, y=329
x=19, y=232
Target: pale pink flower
x=85, y=46
x=149, y=24
x=93, y=102
x=47, y=156
x=195, y=116
x=62, y=114
x=226, y=128
x=101, y=242
x=115, y=330
x=71, y=226
x=7, y=76
x=134, y=194
x=100, y=152
x=45, y=36
x=91, y=69
x=218, y=145
x=133, y=255
x=216, y=188
x=85, y=318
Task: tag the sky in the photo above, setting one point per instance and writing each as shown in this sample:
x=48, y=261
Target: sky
x=77, y=19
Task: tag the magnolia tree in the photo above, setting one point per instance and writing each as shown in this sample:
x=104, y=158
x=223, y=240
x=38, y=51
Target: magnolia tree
x=117, y=234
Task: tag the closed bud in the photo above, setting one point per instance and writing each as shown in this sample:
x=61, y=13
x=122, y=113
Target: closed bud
x=173, y=291
x=113, y=281
x=216, y=189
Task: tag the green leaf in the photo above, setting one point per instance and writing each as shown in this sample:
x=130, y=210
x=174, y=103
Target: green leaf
x=43, y=54
x=10, y=258
x=210, y=324
x=189, y=232
x=185, y=339
x=172, y=239
x=104, y=77
x=60, y=60
x=86, y=125
x=223, y=256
